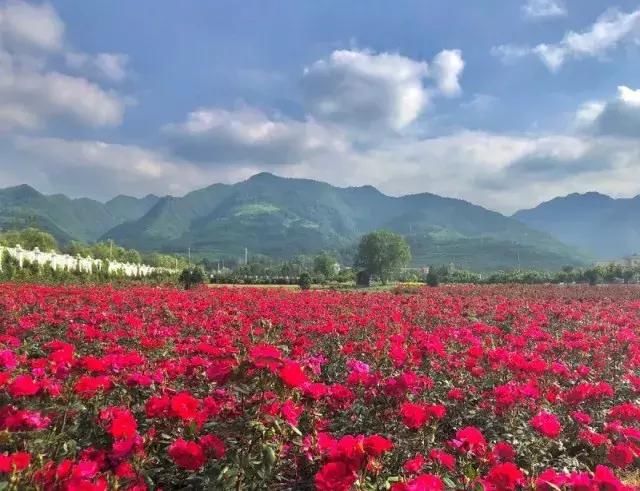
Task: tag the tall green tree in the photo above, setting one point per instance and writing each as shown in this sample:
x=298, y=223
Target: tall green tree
x=382, y=254
x=325, y=265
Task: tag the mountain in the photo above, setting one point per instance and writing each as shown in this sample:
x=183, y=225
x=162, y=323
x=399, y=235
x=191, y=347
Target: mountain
x=282, y=217
x=125, y=208
x=605, y=227
x=67, y=219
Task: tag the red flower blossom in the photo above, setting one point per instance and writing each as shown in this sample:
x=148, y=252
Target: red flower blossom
x=414, y=465
x=443, y=458
x=293, y=375
x=334, y=476
x=184, y=406
x=505, y=477
x=470, y=439
x=188, y=455
x=87, y=387
x=546, y=424
x=414, y=416
x=620, y=455
x=503, y=452
x=23, y=385
x=213, y=446
x=376, y=445
x=17, y=461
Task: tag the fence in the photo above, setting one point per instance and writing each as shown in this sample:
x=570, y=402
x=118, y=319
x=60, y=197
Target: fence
x=66, y=262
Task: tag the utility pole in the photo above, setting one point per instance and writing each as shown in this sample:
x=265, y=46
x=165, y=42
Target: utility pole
x=189, y=256
x=246, y=256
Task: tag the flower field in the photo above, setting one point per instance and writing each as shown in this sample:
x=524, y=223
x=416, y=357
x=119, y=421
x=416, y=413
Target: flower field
x=493, y=388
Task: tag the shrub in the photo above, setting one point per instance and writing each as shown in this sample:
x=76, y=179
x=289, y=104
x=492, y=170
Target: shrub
x=304, y=281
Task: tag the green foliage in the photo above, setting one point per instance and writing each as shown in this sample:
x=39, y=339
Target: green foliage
x=382, y=253
x=432, y=278
x=67, y=219
x=324, y=264
x=191, y=277
x=592, y=276
x=304, y=281
x=29, y=238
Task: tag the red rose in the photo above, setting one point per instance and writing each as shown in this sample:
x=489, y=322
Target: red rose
x=188, y=455
x=414, y=416
x=503, y=452
x=470, y=439
x=122, y=423
x=157, y=406
x=185, y=406
x=446, y=460
x=213, y=446
x=17, y=461
x=505, y=476
x=334, y=476
x=620, y=455
x=376, y=445
x=88, y=387
x=292, y=374
x=414, y=465
x=546, y=424
x=425, y=482
x=23, y=385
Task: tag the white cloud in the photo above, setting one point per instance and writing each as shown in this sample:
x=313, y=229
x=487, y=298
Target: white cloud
x=212, y=135
x=28, y=99
x=501, y=172
x=446, y=69
x=607, y=33
x=509, y=53
x=629, y=96
x=365, y=90
x=589, y=112
x=103, y=170
x=542, y=9
x=24, y=25
x=110, y=66
x=619, y=117
x=31, y=93
x=611, y=29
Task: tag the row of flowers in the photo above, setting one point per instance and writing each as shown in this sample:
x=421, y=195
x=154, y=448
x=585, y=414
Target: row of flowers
x=494, y=388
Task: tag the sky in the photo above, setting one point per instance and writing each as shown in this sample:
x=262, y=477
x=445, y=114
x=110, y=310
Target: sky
x=504, y=103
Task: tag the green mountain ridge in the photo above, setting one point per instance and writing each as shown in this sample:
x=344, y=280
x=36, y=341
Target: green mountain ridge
x=66, y=218
x=284, y=217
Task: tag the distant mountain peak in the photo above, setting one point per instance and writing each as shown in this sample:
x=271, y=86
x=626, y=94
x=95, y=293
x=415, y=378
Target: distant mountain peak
x=604, y=226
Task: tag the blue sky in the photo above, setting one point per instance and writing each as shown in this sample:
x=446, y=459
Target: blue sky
x=504, y=103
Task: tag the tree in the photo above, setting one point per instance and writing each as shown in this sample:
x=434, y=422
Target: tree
x=432, y=278
x=382, y=253
x=29, y=238
x=191, y=277
x=324, y=264
x=304, y=281
x=592, y=276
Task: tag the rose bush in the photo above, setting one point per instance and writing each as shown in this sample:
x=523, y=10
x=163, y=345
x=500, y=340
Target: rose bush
x=494, y=388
